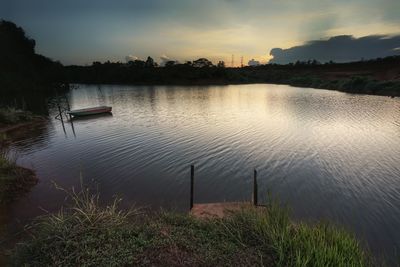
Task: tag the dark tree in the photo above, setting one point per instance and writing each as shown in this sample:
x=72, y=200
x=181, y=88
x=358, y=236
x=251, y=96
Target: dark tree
x=202, y=63
x=221, y=64
x=136, y=63
x=315, y=62
x=21, y=69
x=14, y=40
x=150, y=63
x=170, y=63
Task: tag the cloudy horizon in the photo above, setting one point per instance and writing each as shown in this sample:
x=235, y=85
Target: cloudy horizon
x=76, y=32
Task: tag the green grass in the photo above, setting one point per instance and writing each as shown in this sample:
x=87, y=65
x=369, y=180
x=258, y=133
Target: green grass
x=87, y=234
x=299, y=244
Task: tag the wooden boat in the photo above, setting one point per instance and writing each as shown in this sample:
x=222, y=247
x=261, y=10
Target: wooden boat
x=89, y=111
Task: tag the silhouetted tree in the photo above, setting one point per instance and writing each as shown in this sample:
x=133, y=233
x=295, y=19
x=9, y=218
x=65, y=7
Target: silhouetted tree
x=14, y=40
x=20, y=67
x=201, y=63
x=315, y=62
x=136, y=63
x=170, y=63
x=221, y=64
x=150, y=63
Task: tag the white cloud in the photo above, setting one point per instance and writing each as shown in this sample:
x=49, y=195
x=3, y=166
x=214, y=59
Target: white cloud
x=253, y=63
x=165, y=59
x=131, y=58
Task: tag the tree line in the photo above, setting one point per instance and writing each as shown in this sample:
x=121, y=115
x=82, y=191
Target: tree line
x=23, y=70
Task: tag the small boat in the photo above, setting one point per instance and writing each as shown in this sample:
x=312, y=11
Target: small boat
x=89, y=111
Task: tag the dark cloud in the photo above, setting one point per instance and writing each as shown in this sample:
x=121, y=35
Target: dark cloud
x=343, y=48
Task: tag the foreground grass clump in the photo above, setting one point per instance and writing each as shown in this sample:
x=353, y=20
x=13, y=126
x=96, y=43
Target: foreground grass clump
x=297, y=244
x=87, y=234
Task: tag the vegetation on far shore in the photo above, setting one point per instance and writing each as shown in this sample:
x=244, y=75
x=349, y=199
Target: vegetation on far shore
x=380, y=76
x=24, y=72
x=87, y=234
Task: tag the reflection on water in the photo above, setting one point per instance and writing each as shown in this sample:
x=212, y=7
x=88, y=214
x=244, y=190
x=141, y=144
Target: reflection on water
x=330, y=155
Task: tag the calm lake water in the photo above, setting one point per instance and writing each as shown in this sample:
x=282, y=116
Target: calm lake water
x=329, y=155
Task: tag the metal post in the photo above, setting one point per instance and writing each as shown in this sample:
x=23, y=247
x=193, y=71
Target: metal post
x=59, y=109
x=72, y=125
x=60, y=113
x=191, y=185
x=255, y=189
x=68, y=106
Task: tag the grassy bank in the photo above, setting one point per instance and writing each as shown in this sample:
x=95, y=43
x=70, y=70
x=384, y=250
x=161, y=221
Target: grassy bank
x=87, y=234
x=10, y=116
x=14, y=180
x=12, y=119
x=356, y=84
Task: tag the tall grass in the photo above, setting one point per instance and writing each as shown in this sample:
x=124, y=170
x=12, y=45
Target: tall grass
x=88, y=234
x=299, y=244
x=84, y=233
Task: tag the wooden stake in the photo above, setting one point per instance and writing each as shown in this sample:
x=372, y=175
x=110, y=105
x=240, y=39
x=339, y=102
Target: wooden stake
x=191, y=185
x=255, y=189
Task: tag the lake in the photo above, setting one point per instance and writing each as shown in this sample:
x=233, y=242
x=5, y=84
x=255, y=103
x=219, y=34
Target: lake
x=328, y=155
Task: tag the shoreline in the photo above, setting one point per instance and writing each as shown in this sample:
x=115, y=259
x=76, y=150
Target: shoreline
x=373, y=77
x=13, y=186
x=15, y=181
x=392, y=93
x=11, y=127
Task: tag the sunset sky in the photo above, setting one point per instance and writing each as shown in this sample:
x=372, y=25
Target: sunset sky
x=79, y=32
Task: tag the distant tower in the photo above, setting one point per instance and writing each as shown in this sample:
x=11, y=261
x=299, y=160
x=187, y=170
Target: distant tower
x=233, y=61
x=241, y=61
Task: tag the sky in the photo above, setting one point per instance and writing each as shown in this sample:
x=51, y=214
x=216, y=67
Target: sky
x=83, y=31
